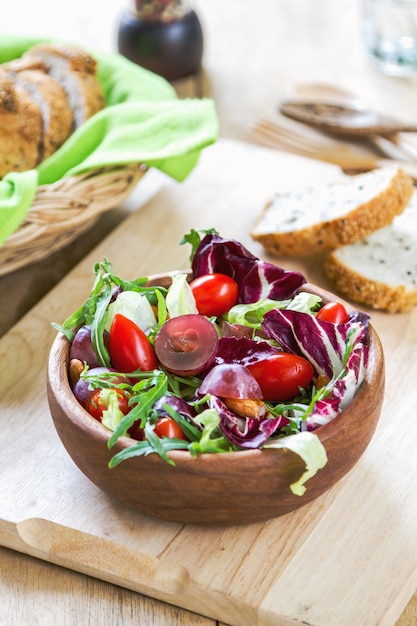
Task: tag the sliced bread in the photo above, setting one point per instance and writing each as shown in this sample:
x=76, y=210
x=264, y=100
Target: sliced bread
x=324, y=217
x=44, y=96
x=75, y=70
x=56, y=113
x=26, y=62
x=20, y=127
x=381, y=270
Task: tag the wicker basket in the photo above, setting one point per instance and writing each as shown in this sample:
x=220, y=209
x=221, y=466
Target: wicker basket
x=63, y=210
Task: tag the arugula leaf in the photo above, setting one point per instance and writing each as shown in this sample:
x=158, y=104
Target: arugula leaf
x=146, y=394
x=157, y=444
x=98, y=322
x=85, y=312
x=191, y=432
x=143, y=448
x=194, y=239
x=105, y=283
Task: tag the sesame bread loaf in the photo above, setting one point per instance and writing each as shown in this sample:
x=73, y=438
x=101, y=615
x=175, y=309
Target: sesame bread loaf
x=57, y=116
x=44, y=96
x=380, y=271
x=20, y=127
x=23, y=63
x=324, y=217
x=75, y=70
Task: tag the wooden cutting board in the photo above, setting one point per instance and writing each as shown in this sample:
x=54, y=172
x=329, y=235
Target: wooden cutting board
x=349, y=558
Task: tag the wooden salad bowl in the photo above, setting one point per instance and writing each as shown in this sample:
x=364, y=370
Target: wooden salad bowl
x=214, y=489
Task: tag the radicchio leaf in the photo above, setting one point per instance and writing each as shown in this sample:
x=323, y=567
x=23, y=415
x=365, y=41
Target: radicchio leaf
x=322, y=343
x=325, y=345
x=250, y=433
x=243, y=351
x=178, y=404
x=343, y=392
x=256, y=279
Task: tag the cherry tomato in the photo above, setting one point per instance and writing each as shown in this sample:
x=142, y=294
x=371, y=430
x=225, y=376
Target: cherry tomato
x=168, y=427
x=97, y=403
x=280, y=375
x=186, y=345
x=214, y=294
x=333, y=312
x=129, y=347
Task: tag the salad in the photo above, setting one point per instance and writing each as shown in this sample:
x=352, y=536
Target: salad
x=232, y=355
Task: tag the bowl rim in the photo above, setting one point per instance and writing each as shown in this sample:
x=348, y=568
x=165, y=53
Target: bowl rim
x=59, y=383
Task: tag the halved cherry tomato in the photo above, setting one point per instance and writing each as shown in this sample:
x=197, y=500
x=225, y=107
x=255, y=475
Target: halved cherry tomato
x=129, y=347
x=281, y=375
x=168, y=427
x=214, y=293
x=97, y=403
x=333, y=312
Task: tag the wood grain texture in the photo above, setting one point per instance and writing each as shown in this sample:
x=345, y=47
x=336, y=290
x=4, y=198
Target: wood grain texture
x=41, y=594
x=243, y=575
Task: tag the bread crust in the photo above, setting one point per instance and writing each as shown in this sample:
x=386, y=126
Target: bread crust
x=39, y=111
x=57, y=116
x=374, y=294
x=27, y=62
x=75, y=70
x=93, y=97
x=344, y=229
x=20, y=127
x=79, y=60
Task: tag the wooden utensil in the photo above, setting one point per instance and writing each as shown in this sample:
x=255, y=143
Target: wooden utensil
x=273, y=135
x=395, y=146
x=343, y=119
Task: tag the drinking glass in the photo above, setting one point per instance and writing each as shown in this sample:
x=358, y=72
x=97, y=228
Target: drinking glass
x=390, y=35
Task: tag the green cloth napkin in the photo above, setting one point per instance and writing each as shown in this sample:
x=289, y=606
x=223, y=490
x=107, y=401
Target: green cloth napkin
x=144, y=122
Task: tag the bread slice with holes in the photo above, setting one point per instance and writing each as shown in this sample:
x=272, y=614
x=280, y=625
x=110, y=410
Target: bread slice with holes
x=327, y=216
x=380, y=271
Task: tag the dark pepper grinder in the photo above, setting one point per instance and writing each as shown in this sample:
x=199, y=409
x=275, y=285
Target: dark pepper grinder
x=163, y=36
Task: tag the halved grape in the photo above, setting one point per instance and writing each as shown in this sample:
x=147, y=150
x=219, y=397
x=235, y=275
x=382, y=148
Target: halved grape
x=230, y=380
x=82, y=347
x=186, y=345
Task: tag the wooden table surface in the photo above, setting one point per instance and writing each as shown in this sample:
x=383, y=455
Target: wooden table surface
x=255, y=54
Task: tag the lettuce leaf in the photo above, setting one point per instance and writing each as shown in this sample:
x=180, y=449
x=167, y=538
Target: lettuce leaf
x=309, y=447
x=180, y=299
x=133, y=305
